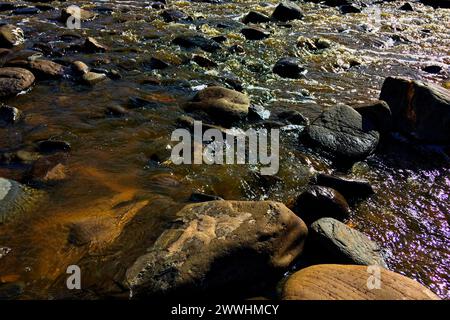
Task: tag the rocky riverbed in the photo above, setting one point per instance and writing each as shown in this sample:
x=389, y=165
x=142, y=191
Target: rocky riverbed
x=360, y=91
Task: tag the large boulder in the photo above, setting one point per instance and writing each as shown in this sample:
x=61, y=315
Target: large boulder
x=333, y=241
x=350, y=282
x=224, y=106
x=14, y=80
x=217, y=245
x=418, y=108
x=16, y=199
x=11, y=36
x=317, y=202
x=343, y=134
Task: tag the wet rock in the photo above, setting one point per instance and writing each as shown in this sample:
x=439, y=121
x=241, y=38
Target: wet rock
x=287, y=11
x=432, y=69
x=41, y=69
x=255, y=17
x=141, y=103
x=225, y=106
x=6, y=6
x=11, y=291
x=378, y=113
x=236, y=48
x=93, y=78
x=219, y=39
x=79, y=67
x=16, y=199
x=289, y=67
x=317, y=202
x=418, y=108
x=196, y=41
x=203, y=61
x=158, y=5
x=294, y=117
x=315, y=45
x=203, y=197
x=92, y=45
x=26, y=10
x=76, y=12
x=254, y=33
x=350, y=282
x=159, y=64
x=345, y=9
x=14, y=81
x=49, y=146
x=11, y=36
x=116, y=111
x=49, y=169
x=341, y=133
x=406, y=7
x=334, y=242
x=349, y=188
x=25, y=156
x=173, y=15
x=216, y=245
x=9, y=115
x=437, y=3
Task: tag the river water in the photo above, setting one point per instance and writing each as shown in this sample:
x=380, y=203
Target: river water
x=117, y=174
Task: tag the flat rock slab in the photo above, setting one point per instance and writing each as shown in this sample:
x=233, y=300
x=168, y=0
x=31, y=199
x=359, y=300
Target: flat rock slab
x=219, y=244
x=339, y=243
x=342, y=134
x=350, y=282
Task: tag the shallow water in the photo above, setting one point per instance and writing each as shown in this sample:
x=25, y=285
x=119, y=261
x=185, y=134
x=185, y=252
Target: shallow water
x=114, y=180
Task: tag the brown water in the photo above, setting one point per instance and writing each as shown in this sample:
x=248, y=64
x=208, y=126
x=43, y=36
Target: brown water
x=114, y=184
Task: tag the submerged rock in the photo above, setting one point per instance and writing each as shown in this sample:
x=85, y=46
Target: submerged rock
x=16, y=199
x=11, y=36
x=224, y=106
x=287, y=11
x=289, y=67
x=173, y=15
x=418, y=108
x=196, y=41
x=217, y=245
x=9, y=115
x=349, y=188
x=318, y=201
x=350, y=282
x=334, y=242
x=14, y=80
x=342, y=134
